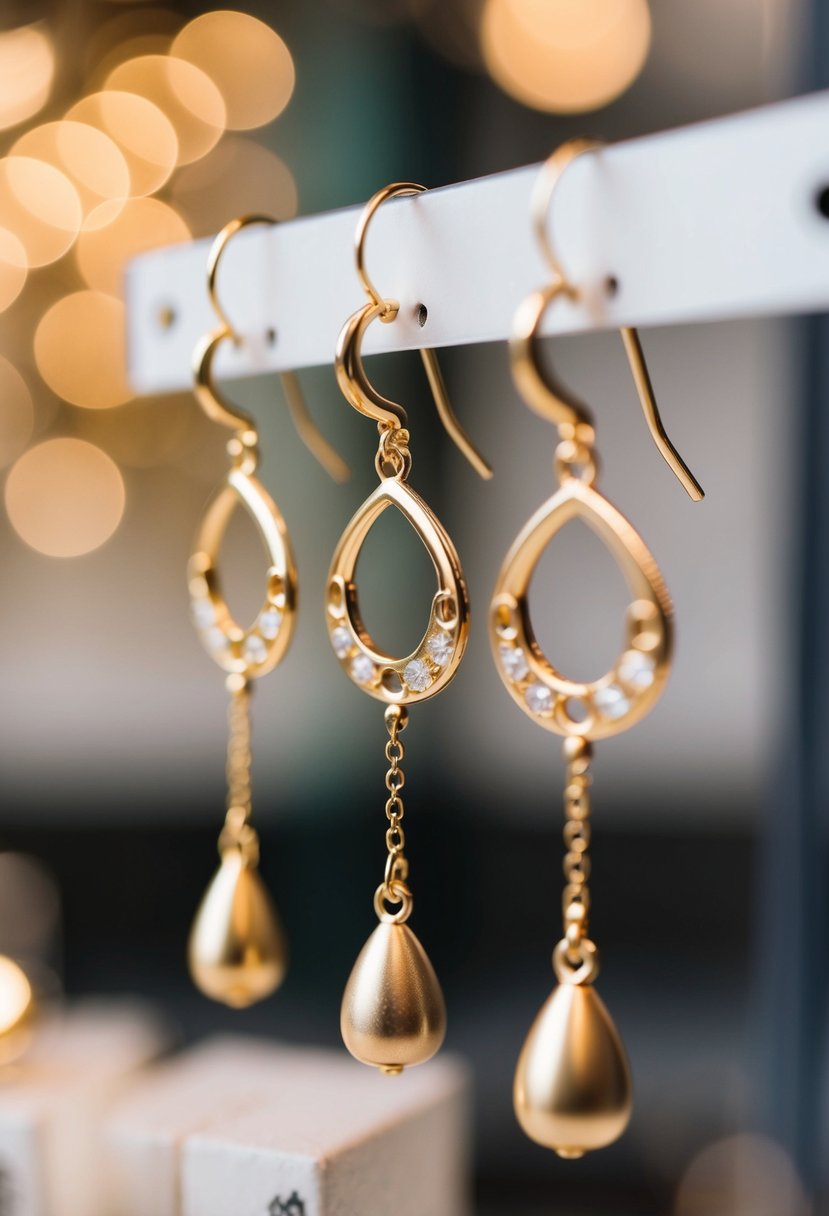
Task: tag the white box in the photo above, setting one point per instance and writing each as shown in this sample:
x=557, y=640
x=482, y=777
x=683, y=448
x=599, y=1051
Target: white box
x=335, y=1138
x=146, y=1128
x=52, y=1103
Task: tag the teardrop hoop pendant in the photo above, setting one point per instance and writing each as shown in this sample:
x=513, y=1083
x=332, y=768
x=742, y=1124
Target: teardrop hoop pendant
x=434, y=661
x=572, y=1087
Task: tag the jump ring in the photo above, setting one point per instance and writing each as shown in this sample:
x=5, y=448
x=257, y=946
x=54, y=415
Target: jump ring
x=395, y=892
x=587, y=970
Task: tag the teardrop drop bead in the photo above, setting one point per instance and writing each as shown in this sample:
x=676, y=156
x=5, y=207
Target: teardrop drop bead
x=237, y=951
x=572, y=1090
x=393, y=1014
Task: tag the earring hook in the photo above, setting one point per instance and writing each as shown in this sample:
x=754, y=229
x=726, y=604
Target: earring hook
x=350, y=371
x=215, y=404
x=542, y=391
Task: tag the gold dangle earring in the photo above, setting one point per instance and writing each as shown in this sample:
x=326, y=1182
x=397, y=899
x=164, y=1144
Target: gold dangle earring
x=393, y=1013
x=572, y=1090
x=237, y=951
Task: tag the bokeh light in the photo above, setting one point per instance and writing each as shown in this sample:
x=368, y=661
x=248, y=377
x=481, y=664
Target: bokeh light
x=91, y=161
x=27, y=69
x=65, y=497
x=144, y=134
x=14, y=268
x=147, y=30
x=15, y=995
x=80, y=351
x=40, y=206
x=17, y=415
x=565, y=56
x=238, y=177
x=185, y=93
x=114, y=233
x=249, y=62
x=744, y=1175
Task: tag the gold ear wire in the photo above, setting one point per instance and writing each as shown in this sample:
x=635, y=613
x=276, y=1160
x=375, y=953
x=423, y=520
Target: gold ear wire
x=215, y=405
x=348, y=365
x=541, y=389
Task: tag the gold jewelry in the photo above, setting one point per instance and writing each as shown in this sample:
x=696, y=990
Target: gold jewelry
x=237, y=950
x=393, y=1013
x=572, y=1088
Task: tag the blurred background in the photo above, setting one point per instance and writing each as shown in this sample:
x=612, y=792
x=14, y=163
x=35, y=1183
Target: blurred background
x=126, y=126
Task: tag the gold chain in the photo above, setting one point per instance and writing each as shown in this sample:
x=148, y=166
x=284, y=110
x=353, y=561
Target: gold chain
x=576, y=894
x=237, y=832
x=397, y=867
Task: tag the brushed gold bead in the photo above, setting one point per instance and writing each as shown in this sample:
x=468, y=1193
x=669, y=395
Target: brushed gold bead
x=393, y=1014
x=572, y=1090
x=237, y=951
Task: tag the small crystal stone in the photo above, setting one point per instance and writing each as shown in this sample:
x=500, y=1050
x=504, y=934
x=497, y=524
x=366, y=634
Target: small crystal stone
x=362, y=669
x=637, y=670
x=255, y=649
x=440, y=648
x=269, y=622
x=341, y=641
x=216, y=639
x=204, y=614
x=416, y=675
x=611, y=702
x=514, y=662
x=539, y=698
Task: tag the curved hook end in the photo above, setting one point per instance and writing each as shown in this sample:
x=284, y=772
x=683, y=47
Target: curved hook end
x=448, y=416
x=639, y=369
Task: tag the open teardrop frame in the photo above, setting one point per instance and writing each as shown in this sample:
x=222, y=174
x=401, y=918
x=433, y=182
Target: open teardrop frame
x=433, y=662
x=255, y=650
x=599, y=708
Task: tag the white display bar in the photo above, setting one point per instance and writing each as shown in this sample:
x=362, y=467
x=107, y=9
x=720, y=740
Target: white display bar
x=708, y=222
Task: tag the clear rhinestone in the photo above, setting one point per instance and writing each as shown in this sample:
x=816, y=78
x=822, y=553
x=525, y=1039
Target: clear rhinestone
x=362, y=669
x=416, y=674
x=539, y=698
x=204, y=614
x=341, y=641
x=514, y=662
x=637, y=670
x=255, y=650
x=611, y=702
x=269, y=622
x=216, y=639
x=440, y=648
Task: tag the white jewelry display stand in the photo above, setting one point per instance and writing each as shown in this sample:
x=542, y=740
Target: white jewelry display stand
x=238, y=1127
x=709, y=222
x=52, y=1103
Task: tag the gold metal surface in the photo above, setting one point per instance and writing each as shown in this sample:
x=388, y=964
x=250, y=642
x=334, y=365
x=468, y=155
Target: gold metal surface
x=572, y=1090
x=432, y=664
x=394, y=190
x=237, y=950
x=393, y=1014
x=540, y=389
x=254, y=649
x=577, y=707
x=213, y=402
x=448, y=616
x=351, y=374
